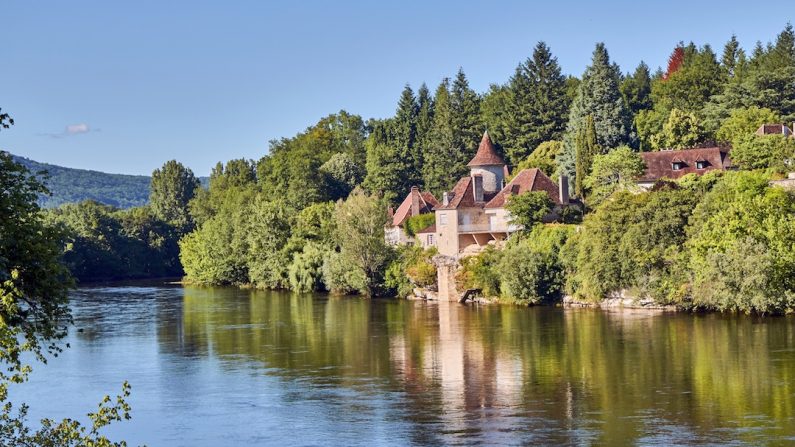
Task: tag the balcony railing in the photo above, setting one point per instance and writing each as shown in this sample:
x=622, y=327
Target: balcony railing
x=487, y=228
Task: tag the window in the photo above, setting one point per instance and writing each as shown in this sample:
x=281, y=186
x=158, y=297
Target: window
x=430, y=239
x=677, y=165
x=442, y=219
x=701, y=165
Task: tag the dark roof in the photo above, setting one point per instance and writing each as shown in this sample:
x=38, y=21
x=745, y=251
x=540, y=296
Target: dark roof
x=659, y=164
x=487, y=155
x=463, y=196
x=525, y=181
x=429, y=229
x=426, y=201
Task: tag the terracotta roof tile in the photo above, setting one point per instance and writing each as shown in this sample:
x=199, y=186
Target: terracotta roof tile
x=487, y=154
x=463, y=196
x=525, y=181
x=429, y=229
x=426, y=201
x=659, y=164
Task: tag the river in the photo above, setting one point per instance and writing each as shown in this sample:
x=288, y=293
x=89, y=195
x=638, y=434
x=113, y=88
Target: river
x=223, y=366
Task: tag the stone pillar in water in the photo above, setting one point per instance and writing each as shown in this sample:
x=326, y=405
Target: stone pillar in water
x=446, y=267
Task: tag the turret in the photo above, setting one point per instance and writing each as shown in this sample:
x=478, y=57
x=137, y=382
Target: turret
x=487, y=169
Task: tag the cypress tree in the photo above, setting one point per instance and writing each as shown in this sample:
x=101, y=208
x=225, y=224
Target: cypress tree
x=586, y=150
x=538, y=105
x=598, y=95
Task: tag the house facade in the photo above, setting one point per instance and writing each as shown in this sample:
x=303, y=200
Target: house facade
x=473, y=214
x=673, y=164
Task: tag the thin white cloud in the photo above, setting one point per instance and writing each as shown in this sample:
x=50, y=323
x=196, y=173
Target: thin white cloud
x=75, y=129
x=72, y=129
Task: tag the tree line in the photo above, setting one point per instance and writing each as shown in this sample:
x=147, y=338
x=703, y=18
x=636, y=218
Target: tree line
x=287, y=219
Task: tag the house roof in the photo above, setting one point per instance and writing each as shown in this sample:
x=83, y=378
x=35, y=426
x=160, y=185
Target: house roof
x=429, y=229
x=487, y=154
x=525, y=181
x=659, y=164
x=426, y=201
x=773, y=129
x=463, y=196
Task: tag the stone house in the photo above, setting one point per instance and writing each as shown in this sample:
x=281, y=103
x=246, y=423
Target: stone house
x=473, y=214
x=415, y=203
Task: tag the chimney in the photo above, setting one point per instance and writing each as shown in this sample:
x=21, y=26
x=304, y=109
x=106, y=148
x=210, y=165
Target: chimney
x=477, y=187
x=415, y=201
x=445, y=198
x=563, y=189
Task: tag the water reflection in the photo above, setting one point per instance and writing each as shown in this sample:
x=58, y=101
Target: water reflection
x=489, y=375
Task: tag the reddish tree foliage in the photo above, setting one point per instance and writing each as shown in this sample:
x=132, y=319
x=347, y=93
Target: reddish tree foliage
x=675, y=62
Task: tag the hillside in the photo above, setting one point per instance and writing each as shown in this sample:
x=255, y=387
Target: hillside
x=74, y=185
x=69, y=185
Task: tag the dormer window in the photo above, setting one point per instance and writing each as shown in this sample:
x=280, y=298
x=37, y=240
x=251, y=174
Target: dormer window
x=701, y=164
x=677, y=165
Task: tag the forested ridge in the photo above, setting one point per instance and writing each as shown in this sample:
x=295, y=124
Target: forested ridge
x=71, y=185
x=310, y=214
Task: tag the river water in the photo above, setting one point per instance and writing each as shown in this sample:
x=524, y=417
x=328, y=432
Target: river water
x=222, y=366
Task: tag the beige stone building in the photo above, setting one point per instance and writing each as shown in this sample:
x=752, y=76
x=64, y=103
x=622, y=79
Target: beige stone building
x=473, y=214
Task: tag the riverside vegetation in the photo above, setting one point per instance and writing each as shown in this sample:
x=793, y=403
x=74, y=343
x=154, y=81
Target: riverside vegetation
x=310, y=215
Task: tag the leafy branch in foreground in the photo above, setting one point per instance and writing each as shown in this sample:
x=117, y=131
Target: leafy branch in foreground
x=34, y=313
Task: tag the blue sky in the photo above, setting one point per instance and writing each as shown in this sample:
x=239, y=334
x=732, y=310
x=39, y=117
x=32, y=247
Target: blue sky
x=125, y=86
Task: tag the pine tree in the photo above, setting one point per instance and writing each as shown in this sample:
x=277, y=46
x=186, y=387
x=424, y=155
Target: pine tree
x=586, y=150
x=438, y=154
x=455, y=134
x=598, y=95
x=424, y=122
x=538, y=106
x=404, y=137
x=465, y=105
x=731, y=54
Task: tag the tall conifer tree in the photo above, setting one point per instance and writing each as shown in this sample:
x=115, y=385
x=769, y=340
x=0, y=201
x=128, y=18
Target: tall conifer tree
x=455, y=134
x=598, y=96
x=538, y=105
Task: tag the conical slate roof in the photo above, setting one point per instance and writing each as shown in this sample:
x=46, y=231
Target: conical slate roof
x=487, y=155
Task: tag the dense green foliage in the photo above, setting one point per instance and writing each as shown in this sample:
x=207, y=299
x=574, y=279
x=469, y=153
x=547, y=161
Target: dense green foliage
x=171, y=189
x=707, y=243
x=104, y=243
x=415, y=224
x=613, y=171
x=543, y=157
x=529, y=208
x=528, y=271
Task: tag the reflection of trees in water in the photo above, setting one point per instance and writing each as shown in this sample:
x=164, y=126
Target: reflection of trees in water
x=533, y=373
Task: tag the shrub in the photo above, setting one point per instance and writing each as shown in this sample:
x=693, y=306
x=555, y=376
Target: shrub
x=420, y=222
x=480, y=272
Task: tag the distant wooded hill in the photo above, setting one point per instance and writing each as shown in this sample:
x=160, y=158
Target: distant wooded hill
x=69, y=185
